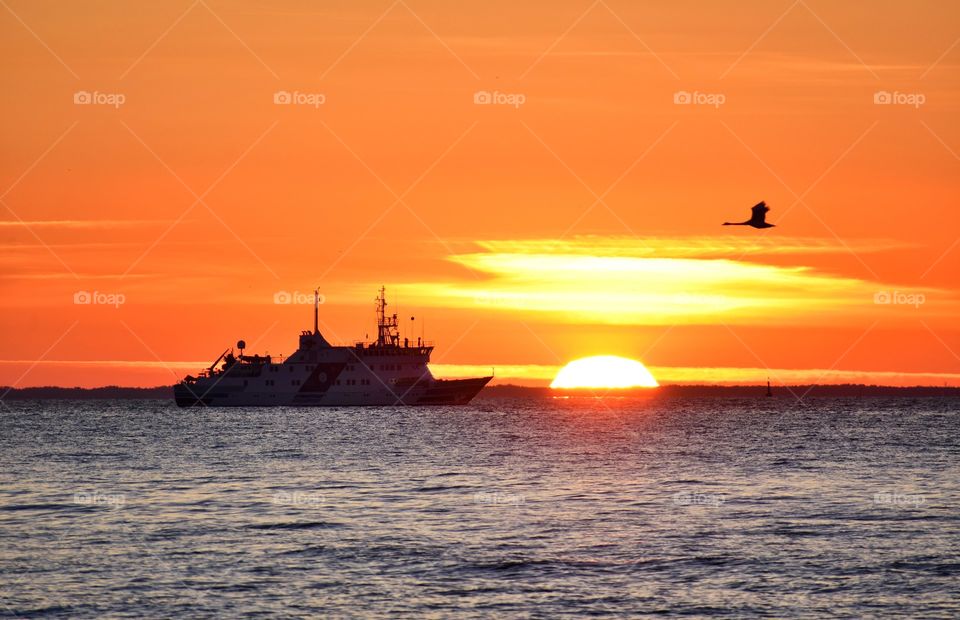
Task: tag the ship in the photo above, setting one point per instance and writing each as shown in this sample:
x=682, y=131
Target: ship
x=385, y=372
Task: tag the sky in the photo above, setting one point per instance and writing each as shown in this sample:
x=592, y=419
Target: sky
x=533, y=183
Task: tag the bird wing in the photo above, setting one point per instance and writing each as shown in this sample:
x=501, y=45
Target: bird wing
x=759, y=212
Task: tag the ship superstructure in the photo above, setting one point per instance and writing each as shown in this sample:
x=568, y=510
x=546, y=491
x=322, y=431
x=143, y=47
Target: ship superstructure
x=379, y=373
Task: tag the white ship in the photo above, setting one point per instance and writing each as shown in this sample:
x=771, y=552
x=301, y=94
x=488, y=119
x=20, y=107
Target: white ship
x=385, y=372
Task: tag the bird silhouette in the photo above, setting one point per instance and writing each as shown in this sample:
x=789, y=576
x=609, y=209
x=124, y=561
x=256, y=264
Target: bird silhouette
x=758, y=219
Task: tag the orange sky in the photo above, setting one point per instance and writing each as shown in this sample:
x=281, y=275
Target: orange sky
x=577, y=215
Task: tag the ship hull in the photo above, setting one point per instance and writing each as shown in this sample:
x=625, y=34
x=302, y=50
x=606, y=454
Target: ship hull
x=432, y=392
x=386, y=372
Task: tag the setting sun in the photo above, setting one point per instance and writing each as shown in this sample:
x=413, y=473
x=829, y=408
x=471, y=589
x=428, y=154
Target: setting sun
x=604, y=371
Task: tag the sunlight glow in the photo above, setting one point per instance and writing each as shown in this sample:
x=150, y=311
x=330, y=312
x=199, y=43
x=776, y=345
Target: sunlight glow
x=604, y=371
x=614, y=281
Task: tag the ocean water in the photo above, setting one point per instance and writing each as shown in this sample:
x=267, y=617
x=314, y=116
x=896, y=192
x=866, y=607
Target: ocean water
x=505, y=508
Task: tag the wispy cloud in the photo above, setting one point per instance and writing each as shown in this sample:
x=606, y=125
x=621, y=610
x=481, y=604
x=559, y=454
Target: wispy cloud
x=72, y=224
x=657, y=281
x=184, y=365
x=540, y=374
x=687, y=247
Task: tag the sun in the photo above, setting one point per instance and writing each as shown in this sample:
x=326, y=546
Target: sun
x=604, y=371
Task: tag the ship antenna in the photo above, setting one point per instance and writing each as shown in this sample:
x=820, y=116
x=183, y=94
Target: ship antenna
x=316, y=311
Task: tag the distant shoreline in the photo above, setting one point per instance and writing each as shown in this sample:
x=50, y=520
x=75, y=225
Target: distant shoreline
x=518, y=391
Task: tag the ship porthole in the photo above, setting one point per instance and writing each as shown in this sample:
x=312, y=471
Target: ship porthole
x=322, y=377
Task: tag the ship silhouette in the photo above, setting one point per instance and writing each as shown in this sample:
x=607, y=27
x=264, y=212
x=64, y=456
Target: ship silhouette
x=380, y=373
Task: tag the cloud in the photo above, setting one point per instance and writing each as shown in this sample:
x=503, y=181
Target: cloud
x=663, y=281
x=73, y=224
x=658, y=281
x=540, y=374
x=689, y=247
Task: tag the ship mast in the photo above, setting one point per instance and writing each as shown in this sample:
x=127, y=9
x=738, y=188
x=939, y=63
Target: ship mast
x=316, y=311
x=386, y=325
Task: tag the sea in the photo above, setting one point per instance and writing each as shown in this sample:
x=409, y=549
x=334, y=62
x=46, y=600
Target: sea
x=506, y=508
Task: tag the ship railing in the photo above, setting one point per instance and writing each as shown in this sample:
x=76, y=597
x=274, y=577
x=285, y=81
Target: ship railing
x=372, y=348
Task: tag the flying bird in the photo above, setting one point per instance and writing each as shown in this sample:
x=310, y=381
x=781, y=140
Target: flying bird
x=757, y=220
